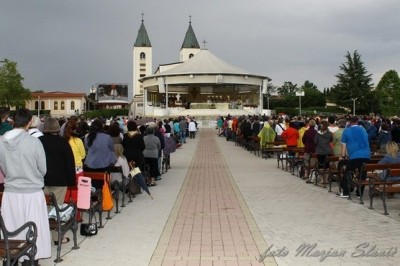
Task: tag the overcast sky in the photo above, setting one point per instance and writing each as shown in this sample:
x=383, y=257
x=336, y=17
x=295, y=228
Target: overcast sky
x=72, y=45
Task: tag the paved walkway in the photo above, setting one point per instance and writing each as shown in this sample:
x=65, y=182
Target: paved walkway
x=210, y=223
x=221, y=205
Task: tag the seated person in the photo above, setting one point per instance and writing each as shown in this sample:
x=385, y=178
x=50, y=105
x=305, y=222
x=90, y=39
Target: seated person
x=392, y=156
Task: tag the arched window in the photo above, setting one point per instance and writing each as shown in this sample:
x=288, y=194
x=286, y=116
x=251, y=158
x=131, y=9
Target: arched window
x=72, y=105
x=62, y=105
x=42, y=105
x=55, y=105
x=36, y=105
x=142, y=55
x=191, y=55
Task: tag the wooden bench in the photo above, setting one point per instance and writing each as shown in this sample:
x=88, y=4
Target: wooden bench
x=273, y=148
x=332, y=172
x=295, y=160
x=384, y=187
x=11, y=249
x=335, y=171
x=368, y=170
x=62, y=226
x=254, y=145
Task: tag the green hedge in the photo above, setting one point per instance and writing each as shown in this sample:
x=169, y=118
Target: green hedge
x=310, y=110
x=106, y=113
x=390, y=111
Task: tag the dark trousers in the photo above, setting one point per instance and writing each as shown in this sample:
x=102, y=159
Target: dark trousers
x=351, y=166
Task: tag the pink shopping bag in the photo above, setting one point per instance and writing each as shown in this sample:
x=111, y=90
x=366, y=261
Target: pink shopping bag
x=84, y=189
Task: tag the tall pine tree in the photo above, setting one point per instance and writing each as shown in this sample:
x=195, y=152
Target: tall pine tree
x=353, y=82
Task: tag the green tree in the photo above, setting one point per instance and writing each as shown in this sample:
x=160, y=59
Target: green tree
x=389, y=89
x=353, y=83
x=312, y=96
x=12, y=92
x=287, y=89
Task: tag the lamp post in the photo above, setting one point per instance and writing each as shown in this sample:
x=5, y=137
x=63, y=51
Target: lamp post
x=38, y=108
x=300, y=93
x=354, y=105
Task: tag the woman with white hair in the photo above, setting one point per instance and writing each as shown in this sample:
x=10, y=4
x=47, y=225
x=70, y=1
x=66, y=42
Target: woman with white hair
x=34, y=128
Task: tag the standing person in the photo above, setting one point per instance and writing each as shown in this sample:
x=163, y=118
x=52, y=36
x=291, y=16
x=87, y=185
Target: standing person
x=192, y=129
x=116, y=133
x=220, y=123
x=72, y=119
x=337, y=137
x=133, y=145
x=100, y=151
x=23, y=161
x=395, y=131
x=167, y=127
x=183, y=128
x=82, y=127
x=177, y=129
x=60, y=164
x=309, y=148
x=384, y=137
x=266, y=135
x=355, y=147
x=4, y=126
x=323, y=140
x=34, y=128
x=290, y=135
x=332, y=125
x=153, y=145
x=279, y=128
x=160, y=136
x=78, y=149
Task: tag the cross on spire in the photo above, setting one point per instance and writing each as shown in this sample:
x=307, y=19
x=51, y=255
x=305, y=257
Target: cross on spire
x=190, y=19
x=204, y=43
x=142, y=16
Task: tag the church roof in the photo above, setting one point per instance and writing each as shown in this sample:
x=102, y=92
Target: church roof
x=204, y=62
x=142, y=39
x=190, y=40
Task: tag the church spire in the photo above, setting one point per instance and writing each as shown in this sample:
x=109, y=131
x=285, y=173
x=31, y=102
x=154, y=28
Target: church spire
x=190, y=40
x=142, y=39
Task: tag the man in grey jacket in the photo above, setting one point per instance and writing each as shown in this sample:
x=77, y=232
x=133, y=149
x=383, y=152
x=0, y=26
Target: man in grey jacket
x=23, y=161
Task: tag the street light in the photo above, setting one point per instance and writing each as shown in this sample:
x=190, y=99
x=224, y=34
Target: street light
x=38, y=109
x=354, y=106
x=300, y=93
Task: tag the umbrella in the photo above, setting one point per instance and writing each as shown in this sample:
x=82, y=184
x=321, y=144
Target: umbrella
x=170, y=145
x=140, y=179
x=136, y=174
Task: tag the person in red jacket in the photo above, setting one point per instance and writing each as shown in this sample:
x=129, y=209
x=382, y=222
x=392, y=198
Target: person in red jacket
x=290, y=135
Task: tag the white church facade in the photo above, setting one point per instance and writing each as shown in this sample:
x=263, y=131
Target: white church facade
x=201, y=84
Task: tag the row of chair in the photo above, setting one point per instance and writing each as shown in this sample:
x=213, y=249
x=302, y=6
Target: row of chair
x=292, y=160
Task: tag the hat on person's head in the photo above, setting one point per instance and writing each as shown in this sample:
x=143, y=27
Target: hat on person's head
x=51, y=125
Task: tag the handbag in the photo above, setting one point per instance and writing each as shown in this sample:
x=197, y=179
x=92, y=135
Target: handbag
x=88, y=229
x=64, y=215
x=107, y=202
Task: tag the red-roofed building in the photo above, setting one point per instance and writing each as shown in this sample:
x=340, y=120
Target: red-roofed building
x=59, y=103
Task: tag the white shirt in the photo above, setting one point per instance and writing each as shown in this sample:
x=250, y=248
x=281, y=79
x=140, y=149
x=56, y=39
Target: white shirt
x=192, y=126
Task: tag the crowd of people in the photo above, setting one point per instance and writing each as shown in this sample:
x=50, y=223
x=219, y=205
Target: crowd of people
x=43, y=155
x=353, y=139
